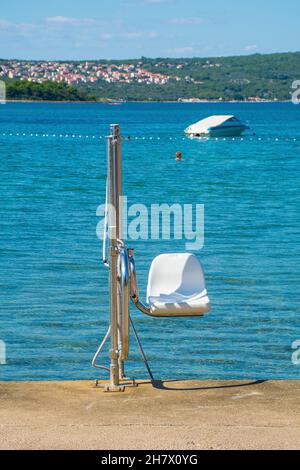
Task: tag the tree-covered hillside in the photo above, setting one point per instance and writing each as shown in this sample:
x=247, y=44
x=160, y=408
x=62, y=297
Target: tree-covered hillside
x=267, y=77
x=254, y=77
x=47, y=91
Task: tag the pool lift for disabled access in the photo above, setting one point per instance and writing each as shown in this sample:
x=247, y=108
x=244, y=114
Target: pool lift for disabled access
x=176, y=283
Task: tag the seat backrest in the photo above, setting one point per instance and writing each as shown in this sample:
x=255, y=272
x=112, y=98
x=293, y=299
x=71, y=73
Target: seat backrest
x=175, y=273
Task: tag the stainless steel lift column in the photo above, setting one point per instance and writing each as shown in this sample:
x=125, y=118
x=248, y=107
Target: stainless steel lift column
x=115, y=237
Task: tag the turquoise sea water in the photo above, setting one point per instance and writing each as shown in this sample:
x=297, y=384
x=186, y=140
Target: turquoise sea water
x=54, y=295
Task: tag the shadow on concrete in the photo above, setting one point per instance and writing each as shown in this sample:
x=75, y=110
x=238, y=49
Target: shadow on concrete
x=161, y=385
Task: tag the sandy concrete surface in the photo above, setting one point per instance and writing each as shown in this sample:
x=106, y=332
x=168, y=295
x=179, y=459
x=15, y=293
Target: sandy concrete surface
x=167, y=416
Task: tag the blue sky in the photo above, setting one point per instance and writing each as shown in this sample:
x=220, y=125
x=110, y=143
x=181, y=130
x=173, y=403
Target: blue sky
x=119, y=29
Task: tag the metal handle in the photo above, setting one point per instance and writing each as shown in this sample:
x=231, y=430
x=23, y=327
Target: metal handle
x=124, y=299
x=134, y=291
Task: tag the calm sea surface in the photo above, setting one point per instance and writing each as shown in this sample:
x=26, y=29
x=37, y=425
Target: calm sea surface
x=54, y=295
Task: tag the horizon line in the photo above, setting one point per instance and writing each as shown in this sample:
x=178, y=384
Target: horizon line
x=152, y=58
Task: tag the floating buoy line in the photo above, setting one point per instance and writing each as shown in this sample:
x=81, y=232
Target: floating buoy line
x=150, y=138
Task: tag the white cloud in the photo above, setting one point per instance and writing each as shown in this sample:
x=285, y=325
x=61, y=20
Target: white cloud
x=251, y=48
x=18, y=29
x=181, y=50
x=66, y=20
x=62, y=20
x=154, y=2
x=5, y=24
x=139, y=34
x=132, y=35
x=152, y=35
x=106, y=36
x=86, y=31
x=189, y=21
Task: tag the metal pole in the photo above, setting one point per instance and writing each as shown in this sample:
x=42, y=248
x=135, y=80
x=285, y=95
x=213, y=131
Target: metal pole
x=115, y=130
x=114, y=385
x=122, y=272
x=119, y=179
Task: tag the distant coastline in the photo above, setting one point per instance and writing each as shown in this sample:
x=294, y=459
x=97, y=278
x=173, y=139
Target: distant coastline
x=262, y=78
x=149, y=101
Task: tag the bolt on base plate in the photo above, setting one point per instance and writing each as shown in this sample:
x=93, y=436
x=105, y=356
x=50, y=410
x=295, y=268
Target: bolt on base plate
x=109, y=388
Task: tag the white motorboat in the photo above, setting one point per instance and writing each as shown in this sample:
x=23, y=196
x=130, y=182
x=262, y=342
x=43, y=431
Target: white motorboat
x=217, y=126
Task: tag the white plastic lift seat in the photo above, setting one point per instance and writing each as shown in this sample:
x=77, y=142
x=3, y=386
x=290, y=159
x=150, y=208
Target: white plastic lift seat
x=176, y=286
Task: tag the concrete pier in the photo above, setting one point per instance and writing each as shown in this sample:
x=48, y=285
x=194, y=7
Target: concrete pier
x=171, y=415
